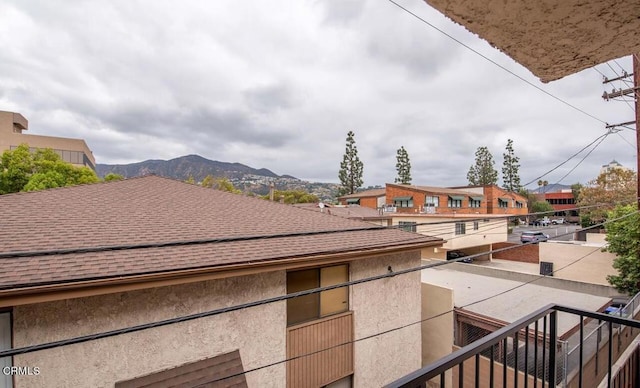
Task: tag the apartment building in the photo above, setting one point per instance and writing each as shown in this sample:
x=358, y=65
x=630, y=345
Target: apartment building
x=74, y=151
x=158, y=250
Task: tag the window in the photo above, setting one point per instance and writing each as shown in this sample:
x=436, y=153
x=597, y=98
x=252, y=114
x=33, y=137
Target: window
x=408, y=226
x=5, y=344
x=353, y=201
x=461, y=228
x=476, y=225
x=519, y=205
x=313, y=306
x=455, y=201
x=474, y=202
x=504, y=203
x=432, y=201
x=403, y=202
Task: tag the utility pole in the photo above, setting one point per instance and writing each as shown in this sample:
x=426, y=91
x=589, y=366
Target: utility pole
x=635, y=91
x=636, y=85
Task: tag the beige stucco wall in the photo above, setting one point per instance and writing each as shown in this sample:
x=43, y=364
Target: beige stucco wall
x=8, y=139
x=259, y=332
x=585, y=263
x=437, y=329
x=382, y=305
x=490, y=230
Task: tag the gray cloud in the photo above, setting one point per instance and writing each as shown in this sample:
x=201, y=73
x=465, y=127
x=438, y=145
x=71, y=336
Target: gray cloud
x=279, y=84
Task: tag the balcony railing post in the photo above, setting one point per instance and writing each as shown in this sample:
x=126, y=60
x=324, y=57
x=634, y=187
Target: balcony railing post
x=553, y=337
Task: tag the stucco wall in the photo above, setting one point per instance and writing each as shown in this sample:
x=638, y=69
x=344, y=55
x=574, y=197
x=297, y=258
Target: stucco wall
x=490, y=230
x=583, y=263
x=437, y=329
x=258, y=332
x=382, y=305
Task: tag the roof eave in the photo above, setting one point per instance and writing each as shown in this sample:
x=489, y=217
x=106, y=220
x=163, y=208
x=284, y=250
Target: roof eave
x=76, y=289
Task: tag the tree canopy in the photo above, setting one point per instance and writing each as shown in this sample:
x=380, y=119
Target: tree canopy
x=623, y=238
x=403, y=166
x=23, y=170
x=222, y=184
x=351, y=167
x=483, y=173
x=511, y=168
x=293, y=196
x=601, y=195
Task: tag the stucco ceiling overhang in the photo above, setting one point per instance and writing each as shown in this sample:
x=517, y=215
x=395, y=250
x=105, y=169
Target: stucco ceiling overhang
x=551, y=38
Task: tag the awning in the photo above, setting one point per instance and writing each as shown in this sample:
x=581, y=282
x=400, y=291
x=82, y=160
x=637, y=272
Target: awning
x=504, y=199
x=457, y=197
x=353, y=200
x=409, y=198
x=480, y=198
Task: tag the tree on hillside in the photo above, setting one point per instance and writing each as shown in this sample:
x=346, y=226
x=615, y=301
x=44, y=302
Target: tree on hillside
x=23, y=170
x=113, y=177
x=482, y=172
x=611, y=188
x=623, y=238
x=190, y=180
x=293, y=196
x=403, y=166
x=222, y=184
x=351, y=168
x=511, y=169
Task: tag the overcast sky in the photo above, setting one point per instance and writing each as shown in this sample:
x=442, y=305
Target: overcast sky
x=279, y=84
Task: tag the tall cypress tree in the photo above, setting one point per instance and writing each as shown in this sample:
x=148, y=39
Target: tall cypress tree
x=510, y=168
x=351, y=167
x=403, y=166
x=482, y=172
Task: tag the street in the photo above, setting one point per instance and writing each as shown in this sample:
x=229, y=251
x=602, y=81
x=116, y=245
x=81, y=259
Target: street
x=555, y=232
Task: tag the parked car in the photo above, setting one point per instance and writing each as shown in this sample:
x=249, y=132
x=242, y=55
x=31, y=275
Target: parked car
x=542, y=222
x=558, y=221
x=455, y=254
x=533, y=236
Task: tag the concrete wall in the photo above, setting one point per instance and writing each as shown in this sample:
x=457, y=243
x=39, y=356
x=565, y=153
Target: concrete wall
x=437, y=333
x=382, y=305
x=563, y=284
x=258, y=332
x=583, y=263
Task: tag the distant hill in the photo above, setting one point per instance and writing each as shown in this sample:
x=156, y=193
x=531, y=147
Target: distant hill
x=551, y=188
x=185, y=166
x=245, y=178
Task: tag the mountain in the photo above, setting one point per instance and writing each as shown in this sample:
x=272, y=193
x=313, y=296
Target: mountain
x=245, y=178
x=185, y=166
x=551, y=188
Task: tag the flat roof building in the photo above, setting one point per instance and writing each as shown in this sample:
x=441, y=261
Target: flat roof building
x=74, y=151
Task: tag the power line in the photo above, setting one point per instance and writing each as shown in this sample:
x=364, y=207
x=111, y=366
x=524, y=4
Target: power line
x=407, y=325
x=132, y=329
x=495, y=63
x=583, y=158
x=567, y=160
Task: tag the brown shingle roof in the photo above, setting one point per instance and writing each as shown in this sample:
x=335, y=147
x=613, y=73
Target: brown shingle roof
x=154, y=210
x=366, y=193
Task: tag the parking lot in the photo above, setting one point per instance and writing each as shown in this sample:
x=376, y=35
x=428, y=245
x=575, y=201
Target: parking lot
x=555, y=232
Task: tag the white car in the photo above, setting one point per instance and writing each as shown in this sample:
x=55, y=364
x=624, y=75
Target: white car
x=558, y=221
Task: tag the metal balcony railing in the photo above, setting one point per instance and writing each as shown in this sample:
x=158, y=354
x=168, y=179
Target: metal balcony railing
x=529, y=353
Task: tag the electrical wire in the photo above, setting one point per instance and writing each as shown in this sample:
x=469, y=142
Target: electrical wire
x=411, y=323
x=494, y=62
x=567, y=160
x=583, y=158
x=131, y=329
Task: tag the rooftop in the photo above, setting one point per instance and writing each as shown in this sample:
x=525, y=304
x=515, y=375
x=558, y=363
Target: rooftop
x=151, y=225
x=512, y=300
